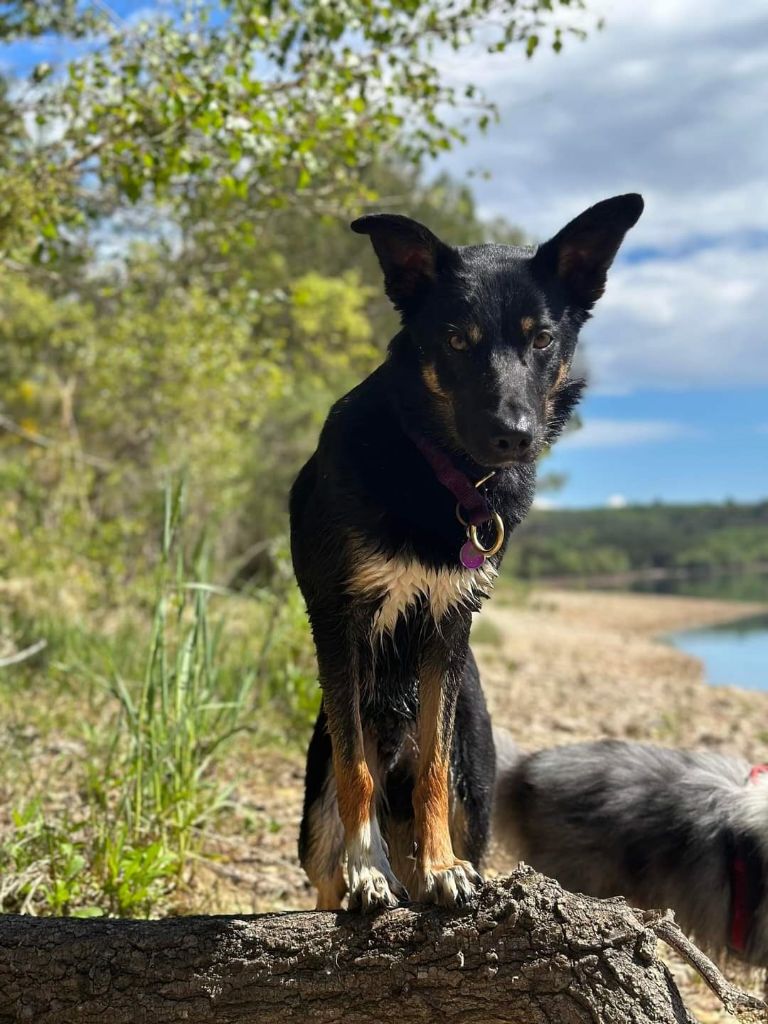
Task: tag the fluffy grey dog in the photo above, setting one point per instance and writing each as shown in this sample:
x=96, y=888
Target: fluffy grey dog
x=663, y=828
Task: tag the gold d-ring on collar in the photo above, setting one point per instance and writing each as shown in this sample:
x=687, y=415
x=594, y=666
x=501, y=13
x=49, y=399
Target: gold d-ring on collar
x=496, y=545
x=472, y=529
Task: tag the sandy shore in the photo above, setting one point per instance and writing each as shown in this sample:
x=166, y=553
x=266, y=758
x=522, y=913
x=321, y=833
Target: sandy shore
x=569, y=666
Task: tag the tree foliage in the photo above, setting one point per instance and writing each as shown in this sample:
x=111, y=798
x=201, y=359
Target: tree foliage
x=704, y=538
x=181, y=294
x=275, y=104
x=180, y=297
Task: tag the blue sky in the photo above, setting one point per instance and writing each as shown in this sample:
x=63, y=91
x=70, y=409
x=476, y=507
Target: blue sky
x=671, y=103
x=676, y=446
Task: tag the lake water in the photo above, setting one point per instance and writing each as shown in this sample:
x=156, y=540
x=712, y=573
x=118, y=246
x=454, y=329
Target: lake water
x=735, y=654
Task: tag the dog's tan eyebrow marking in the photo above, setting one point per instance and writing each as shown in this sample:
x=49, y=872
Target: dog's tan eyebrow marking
x=560, y=380
x=429, y=376
x=474, y=334
x=562, y=376
x=527, y=323
x=443, y=399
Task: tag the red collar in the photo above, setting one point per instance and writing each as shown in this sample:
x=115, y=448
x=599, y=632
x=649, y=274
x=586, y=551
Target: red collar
x=472, y=508
x=743, y=888
x=461, y=487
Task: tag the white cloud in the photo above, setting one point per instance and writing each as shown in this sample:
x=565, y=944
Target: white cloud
x=608, y=433
x=668, y=101
x=680, y=324
x=617, y=501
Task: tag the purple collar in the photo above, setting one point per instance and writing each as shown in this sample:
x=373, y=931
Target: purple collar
x=472, y=509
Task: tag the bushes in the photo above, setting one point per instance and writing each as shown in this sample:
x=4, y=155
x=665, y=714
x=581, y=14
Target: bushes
x=727, y=547
x=568, y=555
x=593, y=541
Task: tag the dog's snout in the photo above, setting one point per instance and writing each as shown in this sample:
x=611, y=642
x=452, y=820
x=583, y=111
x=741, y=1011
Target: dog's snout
x=513, y=438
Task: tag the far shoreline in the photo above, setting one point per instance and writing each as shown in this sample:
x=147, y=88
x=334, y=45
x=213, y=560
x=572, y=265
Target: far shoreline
x=622, y=582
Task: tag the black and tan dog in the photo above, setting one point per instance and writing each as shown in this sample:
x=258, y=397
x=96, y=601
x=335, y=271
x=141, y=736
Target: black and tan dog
x=398, y=524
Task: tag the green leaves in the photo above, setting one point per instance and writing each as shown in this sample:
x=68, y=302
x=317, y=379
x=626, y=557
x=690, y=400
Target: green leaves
x=281, y=102
x=25, y=18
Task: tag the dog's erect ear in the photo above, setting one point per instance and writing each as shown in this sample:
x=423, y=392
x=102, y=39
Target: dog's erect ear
x=409, y=254
x=582, y=252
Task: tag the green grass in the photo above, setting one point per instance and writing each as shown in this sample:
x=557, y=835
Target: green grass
x=155, y=707
x=484, y=631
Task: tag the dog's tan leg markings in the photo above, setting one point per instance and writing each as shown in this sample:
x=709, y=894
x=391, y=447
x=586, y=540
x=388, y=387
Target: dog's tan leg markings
x=443, y=877
x=372, y=883
x=354, y=786
x=331, y=892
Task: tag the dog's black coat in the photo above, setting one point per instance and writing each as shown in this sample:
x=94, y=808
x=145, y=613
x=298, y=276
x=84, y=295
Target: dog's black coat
x=479, y=370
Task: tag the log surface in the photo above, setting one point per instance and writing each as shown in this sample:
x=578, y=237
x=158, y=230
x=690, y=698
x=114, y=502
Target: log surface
x=525, y=952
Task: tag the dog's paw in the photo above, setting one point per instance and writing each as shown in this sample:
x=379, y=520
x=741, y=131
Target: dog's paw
x=449, y=886
x=372, y=889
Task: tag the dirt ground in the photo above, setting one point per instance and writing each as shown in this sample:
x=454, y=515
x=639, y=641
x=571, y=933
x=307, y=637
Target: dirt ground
x=561, y=667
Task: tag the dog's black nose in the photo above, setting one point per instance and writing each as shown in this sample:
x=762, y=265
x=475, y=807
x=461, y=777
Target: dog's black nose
x=513, y=440
x=513, y=443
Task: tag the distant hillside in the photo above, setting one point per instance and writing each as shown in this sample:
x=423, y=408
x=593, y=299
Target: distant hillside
x=595, y=541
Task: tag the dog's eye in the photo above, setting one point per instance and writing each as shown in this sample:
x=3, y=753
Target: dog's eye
x=542, y=340
x=457, y=342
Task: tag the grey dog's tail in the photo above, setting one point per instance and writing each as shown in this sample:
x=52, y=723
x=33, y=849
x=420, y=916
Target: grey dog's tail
x=509, y=760
x=661, y=827
x=508, y=754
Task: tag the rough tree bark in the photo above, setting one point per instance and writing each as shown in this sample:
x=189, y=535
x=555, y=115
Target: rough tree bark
x=525, y=952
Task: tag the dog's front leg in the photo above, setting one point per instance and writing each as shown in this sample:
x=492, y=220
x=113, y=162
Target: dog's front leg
x=443, y=877
x=372, y=884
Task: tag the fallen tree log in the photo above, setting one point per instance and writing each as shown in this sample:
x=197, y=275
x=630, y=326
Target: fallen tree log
x=525, y=952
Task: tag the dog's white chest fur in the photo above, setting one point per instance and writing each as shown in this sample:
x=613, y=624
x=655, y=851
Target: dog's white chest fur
x=399, y=582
